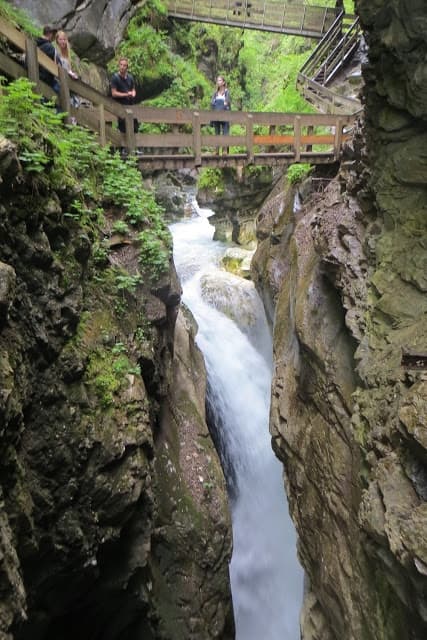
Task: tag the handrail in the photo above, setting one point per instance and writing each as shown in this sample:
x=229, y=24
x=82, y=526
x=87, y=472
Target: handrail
x=265, y=15
x=257, y=137
x=325, y=62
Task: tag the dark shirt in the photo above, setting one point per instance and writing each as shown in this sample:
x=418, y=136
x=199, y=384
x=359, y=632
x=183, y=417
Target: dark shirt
x=47, y=47
x=123, y=85
x=221, y=102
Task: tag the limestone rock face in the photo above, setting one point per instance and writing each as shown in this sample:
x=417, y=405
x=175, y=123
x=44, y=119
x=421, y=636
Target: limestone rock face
x=113, y=517
x=348, y=296
x=95, y=27
x=235, y=202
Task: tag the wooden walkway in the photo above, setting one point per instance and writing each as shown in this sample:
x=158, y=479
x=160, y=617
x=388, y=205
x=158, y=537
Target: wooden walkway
x=263, y=15
x=256, y=138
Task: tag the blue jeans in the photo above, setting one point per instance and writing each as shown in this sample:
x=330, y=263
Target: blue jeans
x=221, y=128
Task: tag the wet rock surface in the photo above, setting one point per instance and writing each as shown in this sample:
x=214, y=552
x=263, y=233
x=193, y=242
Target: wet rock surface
x=113, y=515
x=345, y=287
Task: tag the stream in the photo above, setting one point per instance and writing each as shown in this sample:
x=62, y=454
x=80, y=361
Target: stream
x=266, y=578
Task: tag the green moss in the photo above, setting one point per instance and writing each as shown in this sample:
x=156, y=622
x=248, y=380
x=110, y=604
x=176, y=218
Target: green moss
x=107, y=374
x=389, y=614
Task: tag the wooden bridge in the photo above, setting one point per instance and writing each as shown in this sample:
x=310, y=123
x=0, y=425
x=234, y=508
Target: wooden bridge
x=263, y=15
x=256, y=138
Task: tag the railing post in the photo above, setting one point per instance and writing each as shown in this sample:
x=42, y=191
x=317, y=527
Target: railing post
x=64, y=93
x=310, y=131
x=102, y=133
x=338, y=138
x=297, y=138
x=271, y=132
x=31, y=60
x=130, y=135
x=249, y=138
x=303, y=18
x=197, y=139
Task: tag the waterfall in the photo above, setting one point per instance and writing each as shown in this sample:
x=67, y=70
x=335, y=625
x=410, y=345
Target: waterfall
x=266, y=579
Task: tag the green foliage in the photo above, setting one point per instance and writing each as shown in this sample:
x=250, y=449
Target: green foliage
x=154, y=252
x=120, y=227
x=69, y=156
x=126, y=282
x=146, y=45
x=271, y=66
x=107, y=371
x=59, y=155
x=211, y=179
x=18, y=17
x=187, y=89
x=298, y=172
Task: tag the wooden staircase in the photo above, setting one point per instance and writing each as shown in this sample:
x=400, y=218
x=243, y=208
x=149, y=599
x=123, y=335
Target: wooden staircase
x=328, y=59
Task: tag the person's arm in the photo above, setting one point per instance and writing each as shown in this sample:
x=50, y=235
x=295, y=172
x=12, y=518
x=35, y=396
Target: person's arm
x=227, y=103
x=121, y=94
x=132, y=91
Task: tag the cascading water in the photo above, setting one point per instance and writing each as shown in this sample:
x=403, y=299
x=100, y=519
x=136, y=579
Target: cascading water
x=266, y=579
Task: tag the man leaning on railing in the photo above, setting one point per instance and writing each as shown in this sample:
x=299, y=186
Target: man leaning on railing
x=45, y=44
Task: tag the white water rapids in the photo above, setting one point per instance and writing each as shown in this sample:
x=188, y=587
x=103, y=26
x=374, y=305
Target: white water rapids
x=266, y=579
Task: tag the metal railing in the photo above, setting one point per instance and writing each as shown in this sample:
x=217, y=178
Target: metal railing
x=327, y=60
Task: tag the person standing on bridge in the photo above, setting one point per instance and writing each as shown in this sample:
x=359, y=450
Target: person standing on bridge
x=123, y=91
x=221, y=101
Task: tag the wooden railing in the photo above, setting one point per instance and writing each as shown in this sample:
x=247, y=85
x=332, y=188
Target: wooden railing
x=265, y=15
x=327, y=60
x=187, y=138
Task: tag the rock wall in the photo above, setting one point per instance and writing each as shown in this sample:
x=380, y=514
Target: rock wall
x=95, y=28
x=347, y=286
x=113, y=516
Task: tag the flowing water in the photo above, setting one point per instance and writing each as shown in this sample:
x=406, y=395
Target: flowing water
x=266, y=579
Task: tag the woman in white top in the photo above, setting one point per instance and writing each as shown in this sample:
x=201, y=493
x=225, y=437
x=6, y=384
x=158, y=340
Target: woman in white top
x=63, y=48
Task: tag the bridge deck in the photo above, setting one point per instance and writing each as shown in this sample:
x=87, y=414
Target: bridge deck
x=264, y=15
x=186, y=138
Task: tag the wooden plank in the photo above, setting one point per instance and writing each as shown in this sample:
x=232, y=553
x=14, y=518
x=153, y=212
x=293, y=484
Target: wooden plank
x=297, y=142
x=230, y=141
x=31, y=60
x=160, y=140
x=12, y=34
x=64, y=94
x=102, y=132
x=11, y=68
x=249, y=138
x=290, y=139
x=197, y=145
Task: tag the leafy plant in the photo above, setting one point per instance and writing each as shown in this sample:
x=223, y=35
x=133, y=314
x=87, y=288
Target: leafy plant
x=126, y=282
x=154, y=252
x=298, y=172
x=120, y=227
x=18, y=17
x=211, y=179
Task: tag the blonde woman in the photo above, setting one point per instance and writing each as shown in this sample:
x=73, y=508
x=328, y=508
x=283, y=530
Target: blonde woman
x=63, y=49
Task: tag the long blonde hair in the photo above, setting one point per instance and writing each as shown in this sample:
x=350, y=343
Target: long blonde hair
x=66, y=52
